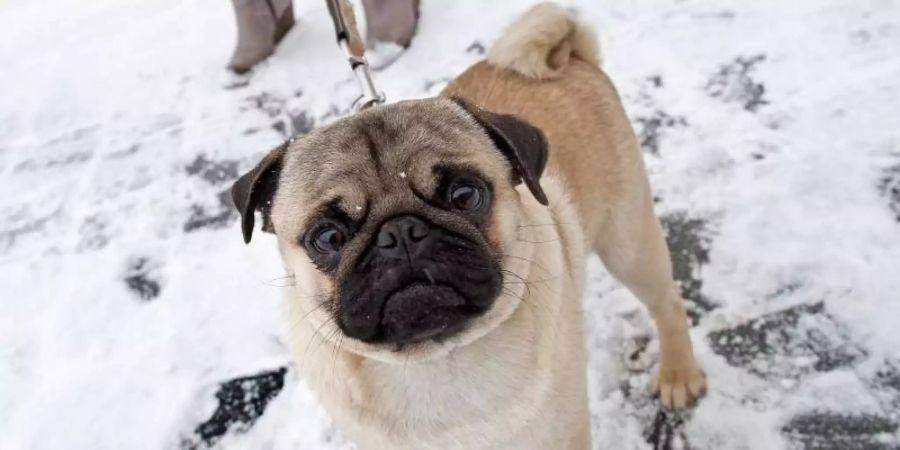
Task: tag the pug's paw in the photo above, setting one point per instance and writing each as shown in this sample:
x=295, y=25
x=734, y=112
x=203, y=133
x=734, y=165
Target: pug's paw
x=678, y=388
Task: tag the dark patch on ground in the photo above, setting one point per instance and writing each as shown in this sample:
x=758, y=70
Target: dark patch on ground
x=836, y=431
x=861, y=37
x=238, y=84
x=785, y=290
x=886, y=386
x=301, y=123
x=688, y=240
x=432, y=83
x=652, y=128
x=71, y=159
x=667, y=431
x=334, y=111
x=788, y=343
x=74, y=136
x=724, y=14
x=638, y=348
x=146, y=288
x=270, y=104
x=475, y=47
x=281, y=128
x=93, y=233
x=21, y=223
x=733, y=82
x=241, y=402
x=130, y=150
x=663, y=429
x=214, y=172
x=202, y=218
x=206, y=217
x=286, y=121
x=889, y=185
x=70, y=148
x=889, y=376
x=140, y=280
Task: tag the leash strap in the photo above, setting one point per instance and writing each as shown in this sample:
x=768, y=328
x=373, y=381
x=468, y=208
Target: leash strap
x=350, y=42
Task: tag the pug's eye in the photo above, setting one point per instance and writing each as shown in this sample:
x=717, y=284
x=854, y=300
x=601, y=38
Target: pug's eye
x=466, y=196
x=328, y=238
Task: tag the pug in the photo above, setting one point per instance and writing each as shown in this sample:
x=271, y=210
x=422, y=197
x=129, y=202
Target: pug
x=437, y=249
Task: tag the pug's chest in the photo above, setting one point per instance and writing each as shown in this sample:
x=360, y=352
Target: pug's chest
x=449, y=388
x=485, y=392
x=459, y=398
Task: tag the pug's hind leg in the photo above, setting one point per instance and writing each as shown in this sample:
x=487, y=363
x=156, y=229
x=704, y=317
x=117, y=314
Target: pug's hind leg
x=633, y=249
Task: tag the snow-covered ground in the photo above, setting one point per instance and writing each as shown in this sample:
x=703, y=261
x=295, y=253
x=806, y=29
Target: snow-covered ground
x=132, y=316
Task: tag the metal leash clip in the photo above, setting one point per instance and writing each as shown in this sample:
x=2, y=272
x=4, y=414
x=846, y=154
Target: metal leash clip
x=350, y=42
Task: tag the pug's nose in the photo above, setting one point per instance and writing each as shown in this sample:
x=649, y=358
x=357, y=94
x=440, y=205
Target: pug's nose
x=403, y=237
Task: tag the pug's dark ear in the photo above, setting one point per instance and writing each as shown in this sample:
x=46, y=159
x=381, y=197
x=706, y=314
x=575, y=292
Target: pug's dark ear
x=523, y=145
x=254, y=191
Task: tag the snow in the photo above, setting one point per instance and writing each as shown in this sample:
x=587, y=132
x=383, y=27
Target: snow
x=772, y=138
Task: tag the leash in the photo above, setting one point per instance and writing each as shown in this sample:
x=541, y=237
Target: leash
x=349, y=41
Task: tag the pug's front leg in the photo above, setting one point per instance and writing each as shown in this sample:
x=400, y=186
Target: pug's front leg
x=680, y=380
x=633, y=249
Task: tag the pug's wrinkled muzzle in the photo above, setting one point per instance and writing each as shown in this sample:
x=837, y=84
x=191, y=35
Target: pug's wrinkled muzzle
x=416, y=282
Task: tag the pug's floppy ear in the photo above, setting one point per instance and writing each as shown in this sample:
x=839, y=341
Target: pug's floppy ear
x=255, y=189
x=523, y=145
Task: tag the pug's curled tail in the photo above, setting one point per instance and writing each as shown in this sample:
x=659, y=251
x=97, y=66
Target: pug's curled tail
x=542, y=42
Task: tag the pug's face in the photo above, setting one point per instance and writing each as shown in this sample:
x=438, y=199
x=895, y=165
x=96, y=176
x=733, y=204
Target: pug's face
x=398, y=223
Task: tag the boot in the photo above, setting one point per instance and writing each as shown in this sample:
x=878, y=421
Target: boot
x=261, y=25
x=391, y=21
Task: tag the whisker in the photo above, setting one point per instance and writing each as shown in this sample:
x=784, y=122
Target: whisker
x=320, y=305
x=524, y=300
x=283, y=278
x=531, y=282
x=521, y=281
x=428, y=274
x=314, y=335
x=551, y=224
x=274, y=281
x=337, y=349
x=312, y=296
x=538, y=242
x=330, y=335
x=532, y=262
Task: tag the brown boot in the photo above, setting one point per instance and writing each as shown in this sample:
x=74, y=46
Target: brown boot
x=261, y=25
x=391, y=21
